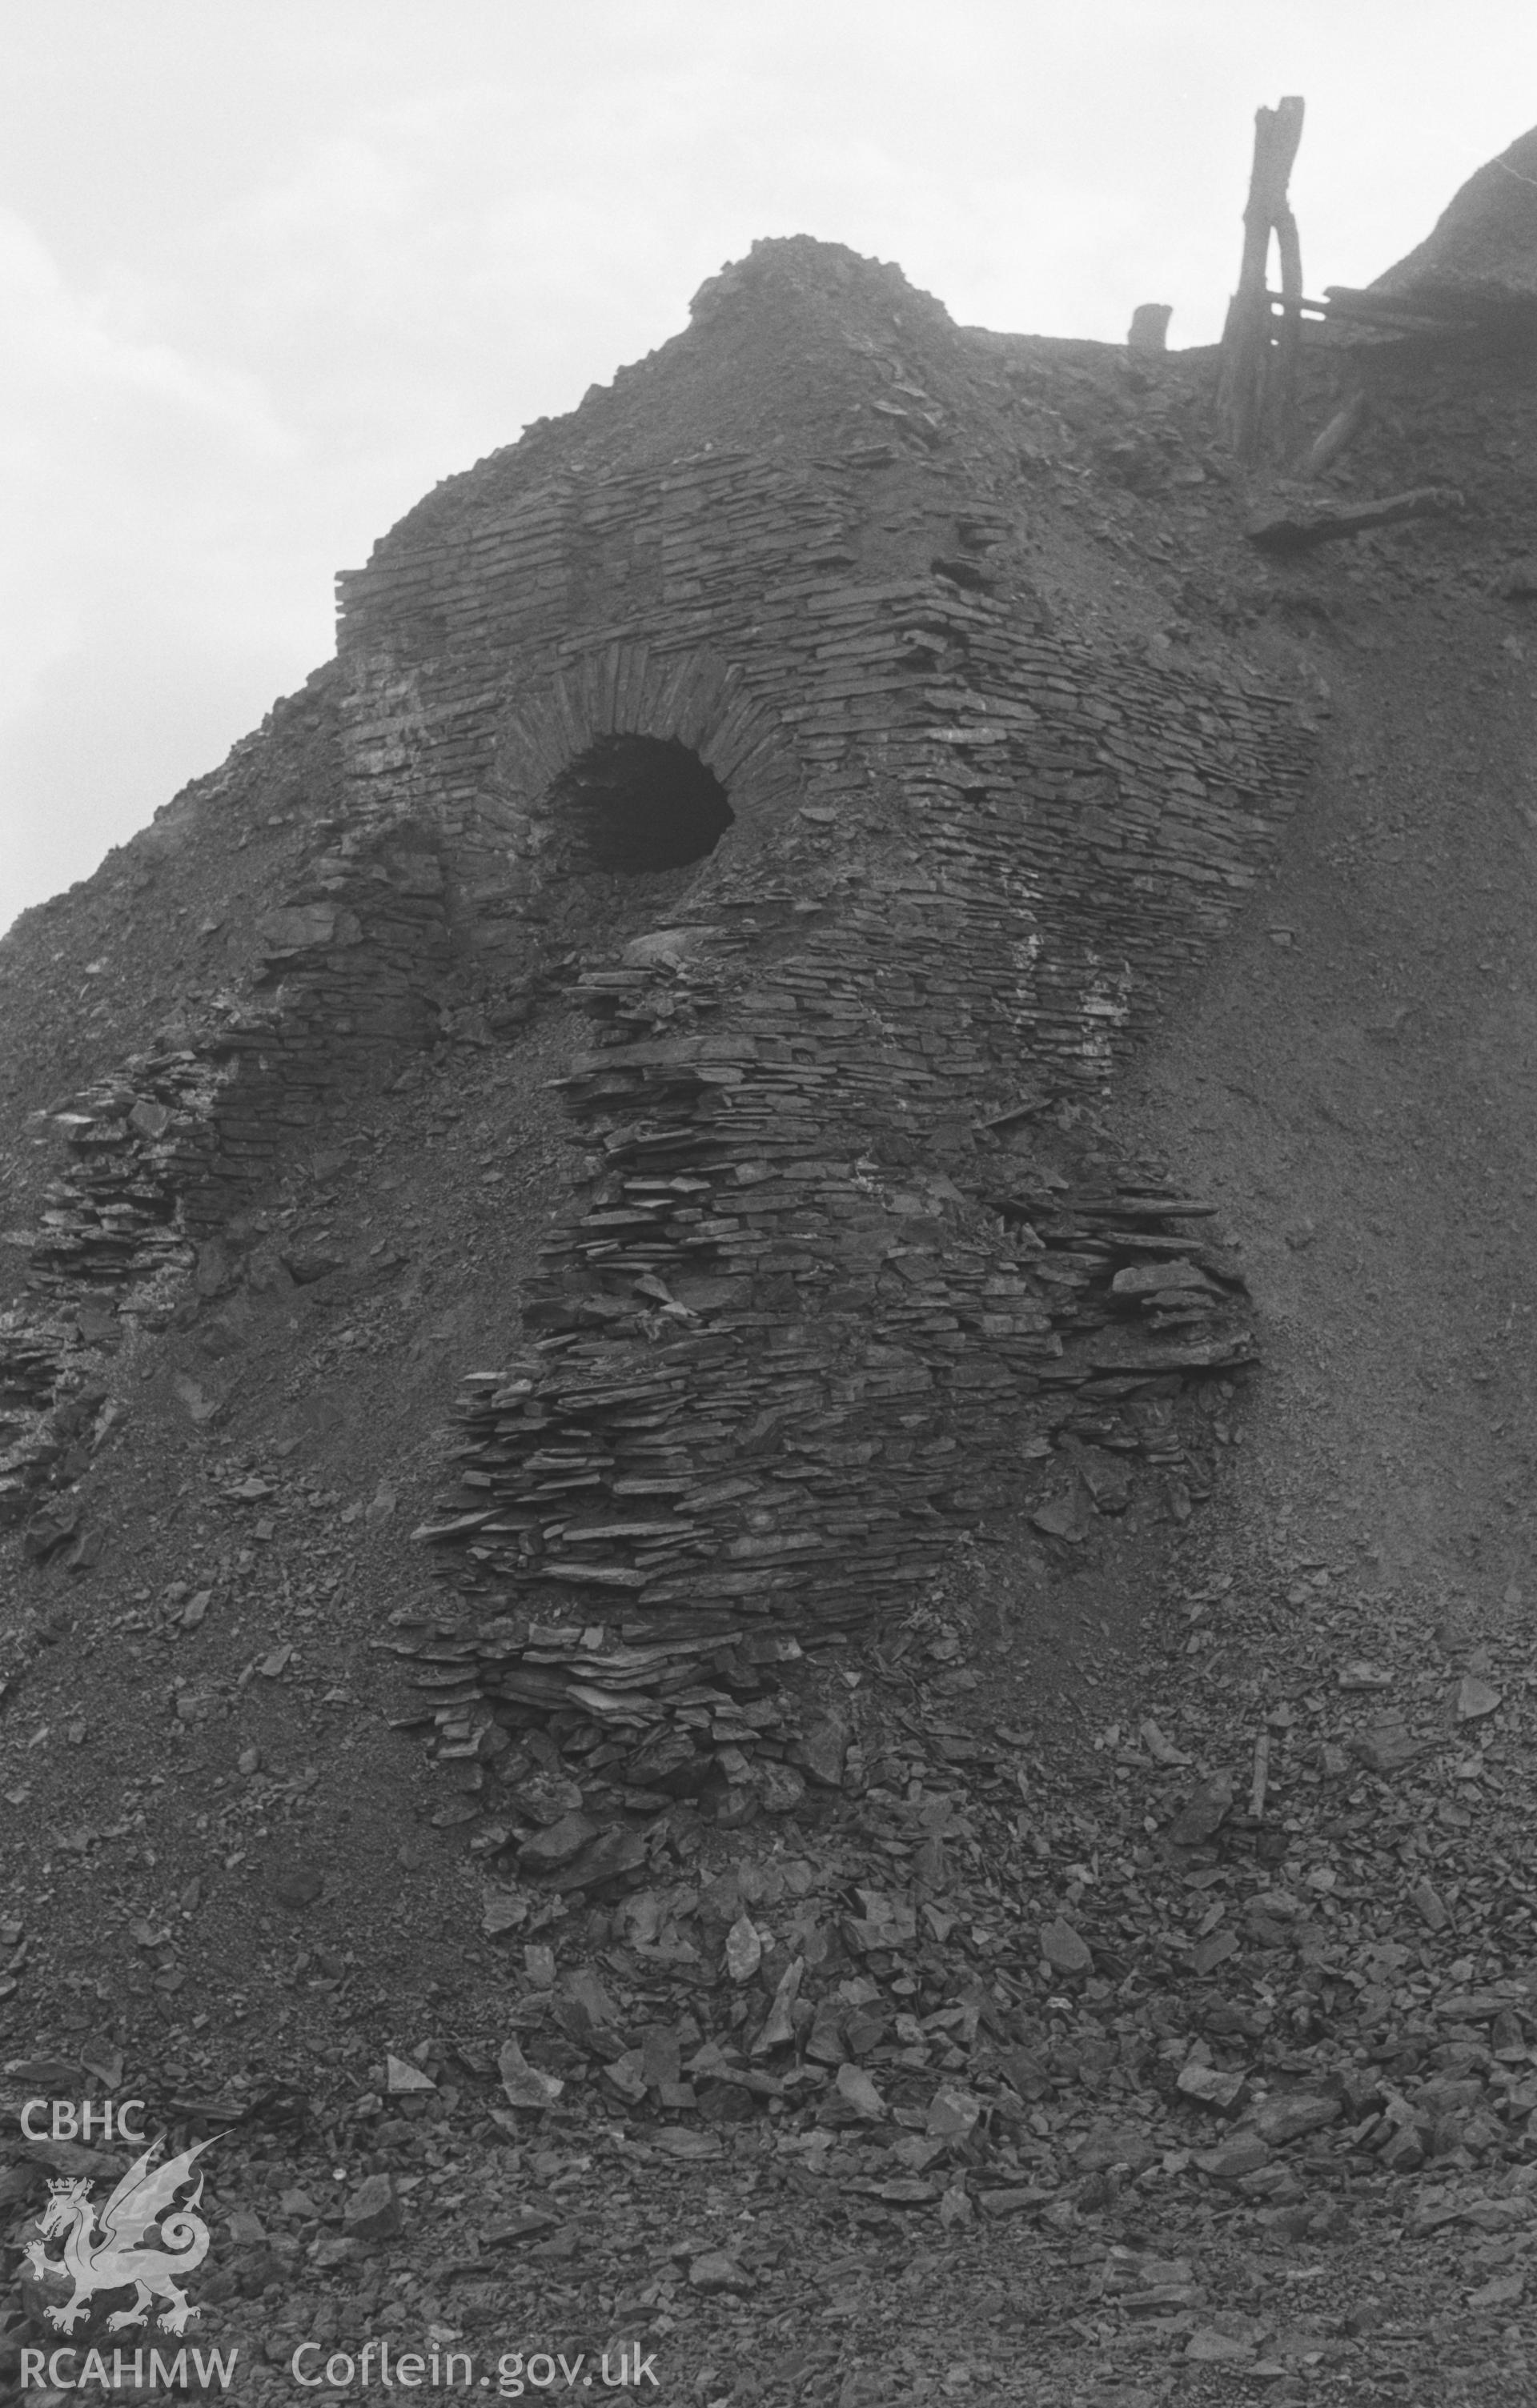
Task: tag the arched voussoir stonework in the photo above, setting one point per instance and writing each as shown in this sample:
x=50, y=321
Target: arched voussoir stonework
x=695, y=698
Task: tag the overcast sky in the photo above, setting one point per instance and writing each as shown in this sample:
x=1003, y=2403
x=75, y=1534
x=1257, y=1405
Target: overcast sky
x=269, y=269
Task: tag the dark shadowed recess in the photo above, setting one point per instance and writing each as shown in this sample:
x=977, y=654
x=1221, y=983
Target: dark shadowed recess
x=639, y=803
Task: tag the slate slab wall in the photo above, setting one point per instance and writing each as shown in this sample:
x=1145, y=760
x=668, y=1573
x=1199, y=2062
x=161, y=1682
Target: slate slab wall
x=969, y=861
x=788, y=1326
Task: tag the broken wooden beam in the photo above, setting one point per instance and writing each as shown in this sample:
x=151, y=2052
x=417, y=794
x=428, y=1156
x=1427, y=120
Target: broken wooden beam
x=1298, y=526
x=1247, y=393
x=1442, y=310
x=1341, y=430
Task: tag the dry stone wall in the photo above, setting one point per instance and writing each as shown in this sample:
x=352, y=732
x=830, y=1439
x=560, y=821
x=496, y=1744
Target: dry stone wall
x=164, y=1157
x=813, y=1304
x=812, y=1299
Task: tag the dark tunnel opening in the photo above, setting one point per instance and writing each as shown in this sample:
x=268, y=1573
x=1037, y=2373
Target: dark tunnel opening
x=635, y=804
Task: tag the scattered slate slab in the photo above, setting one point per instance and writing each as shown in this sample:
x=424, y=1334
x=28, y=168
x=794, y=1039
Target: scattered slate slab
x=1202, y=1815
x=678, y=2141
x=854, y=2084
x=401, y=2077
x=779, y=2028
x=1430, y=1906
x=1213, y=1949
x=503, y=1910
x=525, y=2085
x=820, y=1750
x=1361, y=1675
x=528, y=2224
x=1501, y=2291
x=1208, y=2347
x=952, y=2113
x=1159, y=1747
x=1210, y=2086
x=1476, y=1698
x=744, y=1949
x=559, y=1843
x=1244, y=2154
x=1286, y=2118
x=1116, y=2144
x=1015, y=2200
x=715, y=2272
x=1386, y=1747
x=1064, y=1949
x=373, y=2211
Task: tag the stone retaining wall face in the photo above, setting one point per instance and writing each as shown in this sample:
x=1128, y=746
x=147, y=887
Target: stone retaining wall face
x=166, y=1154
x=969, y=862
x=779, y=1339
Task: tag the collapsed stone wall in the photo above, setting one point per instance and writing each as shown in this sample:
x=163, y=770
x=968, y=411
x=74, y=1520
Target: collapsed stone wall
x=163, y=1158
x=807, y=1306
x=965, y=860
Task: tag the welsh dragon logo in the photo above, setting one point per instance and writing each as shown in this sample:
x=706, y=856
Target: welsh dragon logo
x=115, y=2258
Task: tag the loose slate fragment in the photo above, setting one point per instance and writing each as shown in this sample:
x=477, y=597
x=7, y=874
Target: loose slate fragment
x=60, y=2074
x=676, y=2141
x=1297, y=2112
x=525, y=2085
x=1211, y=2087
x=503, y=1910
x=1428, y=1905
x=1386, y=1747
x=1213, y=1949
x=1502, y=2291
x=1014, y=2202
x=1360, y=1675
x=1244, y=2154
x=779, y=2024
x=99, y=2055
x=1209, y=2348
x=613, y=1853
x=715, y=2272
x=373, y=2211
x=1475, y=1699
x=526, y=2225
x=855, y=2086
x=560, y=1843
x=744, y=1949
x=1064, y=1517
x=779, y=1788
x=1160, y=1749
x=1202, y=1815
x=400, y=2077
x=628, y=2074
x=952, y=2114
x=1116, y=2144
x=1064, y=1949
x=825, y=2042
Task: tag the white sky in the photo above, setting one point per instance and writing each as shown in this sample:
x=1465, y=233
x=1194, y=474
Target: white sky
x=269, y=269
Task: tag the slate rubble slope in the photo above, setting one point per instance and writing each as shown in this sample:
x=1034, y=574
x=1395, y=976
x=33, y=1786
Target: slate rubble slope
x=1421, y=2025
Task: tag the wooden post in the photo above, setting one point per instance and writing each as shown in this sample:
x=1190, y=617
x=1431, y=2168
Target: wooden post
x=1148, y=333
x=1244, y=389
x=1341, y=429
x=1288, y=348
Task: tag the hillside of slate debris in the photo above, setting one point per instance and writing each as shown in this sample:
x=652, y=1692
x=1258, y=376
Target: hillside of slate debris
x=1139, y=2001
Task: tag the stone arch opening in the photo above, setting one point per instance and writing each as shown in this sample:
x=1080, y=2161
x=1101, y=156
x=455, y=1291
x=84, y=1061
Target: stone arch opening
x=637, y=804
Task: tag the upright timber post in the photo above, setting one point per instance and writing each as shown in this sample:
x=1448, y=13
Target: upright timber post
x=1245, y=395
